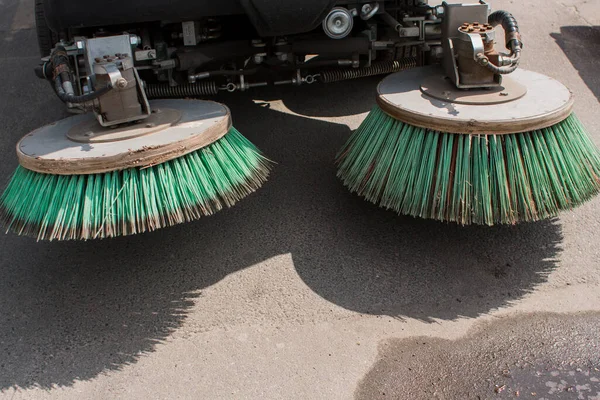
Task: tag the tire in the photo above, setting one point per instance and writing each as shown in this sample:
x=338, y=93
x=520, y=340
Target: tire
x=46, y=37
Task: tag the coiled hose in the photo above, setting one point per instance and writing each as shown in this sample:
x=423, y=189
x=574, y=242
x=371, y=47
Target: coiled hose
x=513, y=42
x=510, y=26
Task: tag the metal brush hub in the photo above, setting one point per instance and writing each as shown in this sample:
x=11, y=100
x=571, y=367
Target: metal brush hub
x=90, y=131
x=440, y=87
x=423, y=97
x=79, y=145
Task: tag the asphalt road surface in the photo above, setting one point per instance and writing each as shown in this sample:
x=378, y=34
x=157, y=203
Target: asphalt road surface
x=302, y=290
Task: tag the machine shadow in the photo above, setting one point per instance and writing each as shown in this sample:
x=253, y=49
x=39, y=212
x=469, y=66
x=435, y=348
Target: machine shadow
x=370, y=260
x=70, y=311
x=332, y=100
x=578, y=44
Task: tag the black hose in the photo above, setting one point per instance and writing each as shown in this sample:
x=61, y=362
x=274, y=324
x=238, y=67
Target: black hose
x=71, y=98
x=513, y=42
x=510, y=26
x=62, y=72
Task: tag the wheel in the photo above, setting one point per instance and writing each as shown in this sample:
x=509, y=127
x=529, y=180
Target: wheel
x=46, y=37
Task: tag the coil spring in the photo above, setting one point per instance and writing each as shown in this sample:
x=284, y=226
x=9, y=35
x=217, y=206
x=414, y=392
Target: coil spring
x=164, y=91
x=377, y=68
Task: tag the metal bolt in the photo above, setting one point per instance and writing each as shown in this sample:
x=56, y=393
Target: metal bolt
x=504, y=94
x=150, y=125
x=121, y=83
x=258, y=58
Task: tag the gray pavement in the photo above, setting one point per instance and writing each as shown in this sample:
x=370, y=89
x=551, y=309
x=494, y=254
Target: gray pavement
x=304, y=290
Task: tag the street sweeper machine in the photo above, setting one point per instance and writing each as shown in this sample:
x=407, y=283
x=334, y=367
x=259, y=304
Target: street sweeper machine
x=458, y=133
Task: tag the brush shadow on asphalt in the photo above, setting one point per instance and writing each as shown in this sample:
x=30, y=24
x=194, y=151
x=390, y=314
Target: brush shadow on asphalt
x=70, y=311
x=580, y=44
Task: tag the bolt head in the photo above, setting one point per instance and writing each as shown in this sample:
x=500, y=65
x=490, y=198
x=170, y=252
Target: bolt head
x=121, y=83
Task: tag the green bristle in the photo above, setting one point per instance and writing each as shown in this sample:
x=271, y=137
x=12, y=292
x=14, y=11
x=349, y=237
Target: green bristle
x=470, y=179
x=118, y=203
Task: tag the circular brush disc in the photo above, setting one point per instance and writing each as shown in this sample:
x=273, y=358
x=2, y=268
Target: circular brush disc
x=78, y=180
x=494, y=156
x=424, y=97
x=79, y=145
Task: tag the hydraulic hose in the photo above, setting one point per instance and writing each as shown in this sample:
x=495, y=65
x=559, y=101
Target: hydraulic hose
x=61, y=72
x=510, y=26
x=71, y=98
x=503, y=70
x=513, y=42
